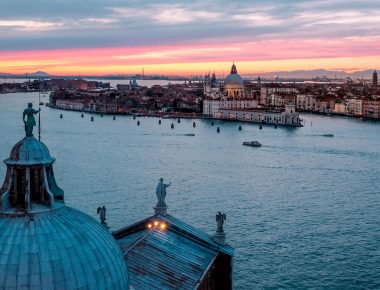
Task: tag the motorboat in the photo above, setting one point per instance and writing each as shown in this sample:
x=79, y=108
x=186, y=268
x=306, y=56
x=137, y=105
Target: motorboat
x=252, y=143
x=328, y=135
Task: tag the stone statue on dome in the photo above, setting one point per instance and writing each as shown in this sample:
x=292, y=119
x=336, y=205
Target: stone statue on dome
x=102, y=214
x=30, y=122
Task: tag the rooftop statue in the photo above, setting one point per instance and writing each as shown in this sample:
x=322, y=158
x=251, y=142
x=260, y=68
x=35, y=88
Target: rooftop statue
x=102, y=214
x=30, y=122
x=220, y=218
x=220, y=236
x=161, y=193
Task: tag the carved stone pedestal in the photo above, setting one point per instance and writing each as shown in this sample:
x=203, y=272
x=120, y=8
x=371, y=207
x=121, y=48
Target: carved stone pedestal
x=160, y=210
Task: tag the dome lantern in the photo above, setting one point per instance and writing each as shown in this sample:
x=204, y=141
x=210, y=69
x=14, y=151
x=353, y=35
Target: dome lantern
x=233, y=69
x=29, y=184
x=46, y=244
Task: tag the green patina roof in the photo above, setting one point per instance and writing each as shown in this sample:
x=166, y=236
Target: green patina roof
x=29, y=151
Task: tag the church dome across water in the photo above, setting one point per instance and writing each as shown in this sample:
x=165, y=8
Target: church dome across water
x=233, y=80
x=234, y=84
x=44, y=243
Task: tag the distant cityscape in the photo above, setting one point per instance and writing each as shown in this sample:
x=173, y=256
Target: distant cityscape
x=232, y=98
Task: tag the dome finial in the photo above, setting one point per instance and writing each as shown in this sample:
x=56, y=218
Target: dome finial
x=30, y=122
x=233, y=69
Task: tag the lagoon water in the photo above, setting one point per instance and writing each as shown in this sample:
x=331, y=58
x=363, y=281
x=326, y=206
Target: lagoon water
x=303, y=211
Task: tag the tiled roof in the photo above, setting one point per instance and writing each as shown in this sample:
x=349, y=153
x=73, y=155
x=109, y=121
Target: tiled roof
x=176, y=257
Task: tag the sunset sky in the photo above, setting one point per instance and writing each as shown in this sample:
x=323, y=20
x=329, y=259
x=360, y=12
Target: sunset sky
x=94, y=37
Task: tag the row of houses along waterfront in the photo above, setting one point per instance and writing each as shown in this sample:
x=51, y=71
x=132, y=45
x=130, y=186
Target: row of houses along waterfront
x=230, y=98
x=233, y=98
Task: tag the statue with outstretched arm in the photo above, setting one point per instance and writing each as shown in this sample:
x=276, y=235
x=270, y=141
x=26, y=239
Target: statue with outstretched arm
x=161, y=193
x=29, y=122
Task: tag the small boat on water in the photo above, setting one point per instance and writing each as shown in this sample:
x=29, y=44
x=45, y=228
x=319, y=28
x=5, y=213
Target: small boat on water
x=41, y=103
x=190, y=134
x=252, y=143
x=328, y=135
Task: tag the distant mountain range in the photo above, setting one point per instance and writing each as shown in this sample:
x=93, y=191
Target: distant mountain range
x=310, y=74
x=27, y=75
x=296, y=74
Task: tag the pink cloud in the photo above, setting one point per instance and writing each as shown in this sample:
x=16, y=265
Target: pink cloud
x=263, y=50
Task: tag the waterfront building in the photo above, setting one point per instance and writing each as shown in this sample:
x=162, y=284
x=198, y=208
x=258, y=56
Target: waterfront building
x=70, y=104
x=288, y=117
x=269, y=90
x=305, y=102
x=46, y=244
x=315, y=103
x=355, y=107
x=340, y=108
x=371, y=108
x=212, y=107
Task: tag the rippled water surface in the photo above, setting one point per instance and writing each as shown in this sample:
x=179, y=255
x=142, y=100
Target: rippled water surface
x=303, y=211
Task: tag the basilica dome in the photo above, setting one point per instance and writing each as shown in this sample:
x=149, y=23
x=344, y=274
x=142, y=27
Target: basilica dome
x=44, y=243
x=233, y=80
